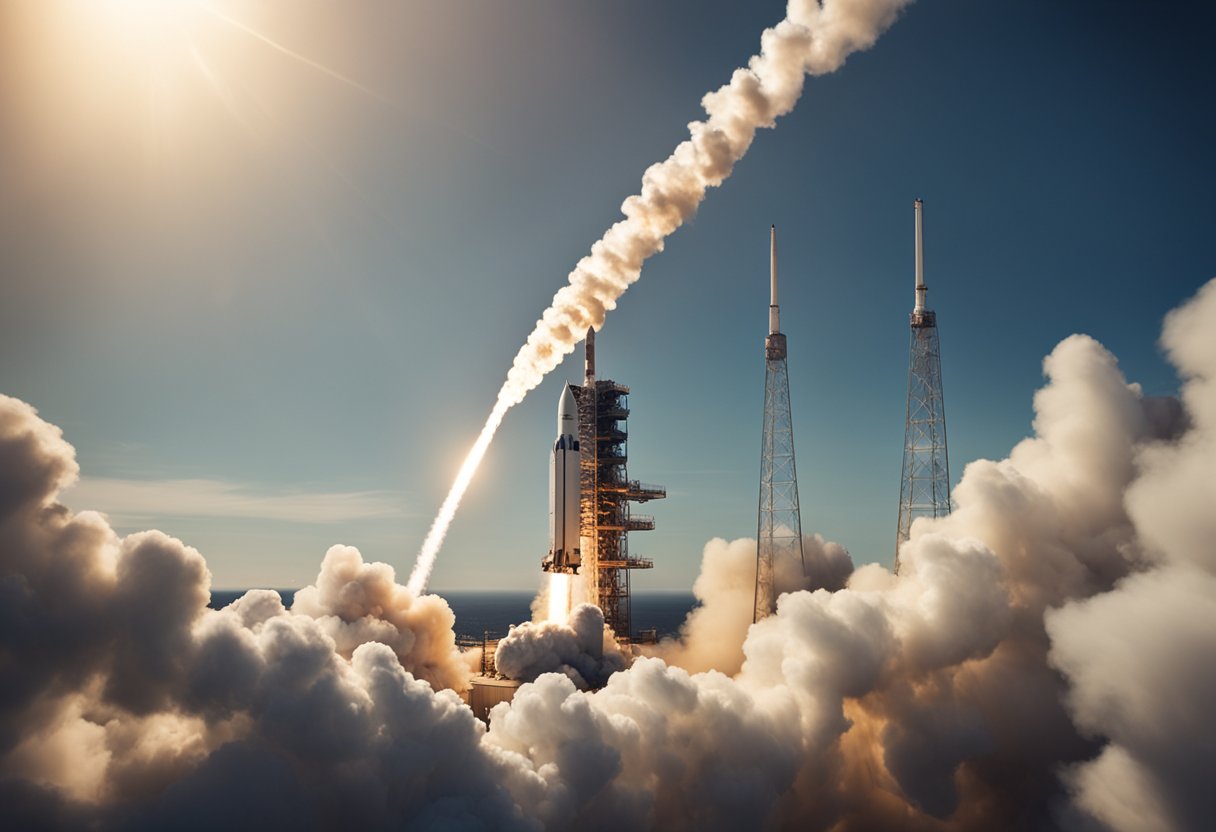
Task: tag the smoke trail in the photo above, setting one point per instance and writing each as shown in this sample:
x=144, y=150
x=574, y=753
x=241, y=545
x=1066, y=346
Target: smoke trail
x=439, y=528
x=814, y=38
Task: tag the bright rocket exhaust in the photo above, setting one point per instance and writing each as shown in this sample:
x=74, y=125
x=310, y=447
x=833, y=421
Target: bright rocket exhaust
x=559, y=597
x=814, y=38
x=447, y=511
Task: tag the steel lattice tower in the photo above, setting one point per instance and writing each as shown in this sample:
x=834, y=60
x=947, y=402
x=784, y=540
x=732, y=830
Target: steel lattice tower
x=924, y=489
x=779, y=528
x=607, y=497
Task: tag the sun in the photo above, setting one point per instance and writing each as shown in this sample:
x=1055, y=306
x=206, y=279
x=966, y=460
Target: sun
x=152, y=37
x=158, y=77
x=161, y=35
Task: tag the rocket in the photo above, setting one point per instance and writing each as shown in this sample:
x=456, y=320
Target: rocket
x=565, y=554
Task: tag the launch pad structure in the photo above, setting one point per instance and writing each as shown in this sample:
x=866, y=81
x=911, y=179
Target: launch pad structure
x=924, y=489
x=607, y=496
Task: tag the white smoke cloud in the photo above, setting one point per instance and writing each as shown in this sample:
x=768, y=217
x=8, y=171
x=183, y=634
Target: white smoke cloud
x=1138, y=658
x=581, y=648
x=1039, y=663
x=127, y=702
x=927, y=700
x=356, y=602
x=712, y=636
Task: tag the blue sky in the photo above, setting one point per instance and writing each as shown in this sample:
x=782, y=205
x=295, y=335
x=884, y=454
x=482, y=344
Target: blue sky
x=271, y=309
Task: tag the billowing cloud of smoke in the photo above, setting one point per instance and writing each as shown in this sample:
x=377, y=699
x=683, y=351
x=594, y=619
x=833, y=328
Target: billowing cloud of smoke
x=355, y=603
x=1139, y=658
x=924, y=701
x=581, y=648
x=814, y=38
x=126, y=700
x=1040, y=662
x=712, y=636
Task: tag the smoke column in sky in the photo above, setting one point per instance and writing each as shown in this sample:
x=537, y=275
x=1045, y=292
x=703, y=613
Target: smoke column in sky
x=814, y=38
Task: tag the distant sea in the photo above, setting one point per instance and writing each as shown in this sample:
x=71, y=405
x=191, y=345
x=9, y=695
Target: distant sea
x=479, y=610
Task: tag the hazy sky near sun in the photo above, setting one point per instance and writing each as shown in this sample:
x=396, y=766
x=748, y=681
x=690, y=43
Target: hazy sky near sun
x=268, y=269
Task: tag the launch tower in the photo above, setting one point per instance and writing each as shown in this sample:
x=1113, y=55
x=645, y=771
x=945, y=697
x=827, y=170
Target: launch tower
x=607, y=495
x=924, y=489
x=779, y=529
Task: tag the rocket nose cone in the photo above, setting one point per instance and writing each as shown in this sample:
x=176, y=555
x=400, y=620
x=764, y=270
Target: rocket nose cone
x=567, y=412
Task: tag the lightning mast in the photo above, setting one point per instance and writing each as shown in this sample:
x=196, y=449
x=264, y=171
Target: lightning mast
x=779, y=526
x=924, y=489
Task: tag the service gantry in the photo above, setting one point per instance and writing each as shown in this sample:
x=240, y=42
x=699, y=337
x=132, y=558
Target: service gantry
x=924, y=489
x=607, y=493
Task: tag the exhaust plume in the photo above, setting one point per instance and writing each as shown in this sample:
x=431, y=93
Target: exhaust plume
x=579, y=647
x=712, y=635
x=447, y=510
x=814, y=38
x=558, y=597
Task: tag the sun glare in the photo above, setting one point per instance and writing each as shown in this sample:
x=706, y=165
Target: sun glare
x=147, y=22
x=150, y=42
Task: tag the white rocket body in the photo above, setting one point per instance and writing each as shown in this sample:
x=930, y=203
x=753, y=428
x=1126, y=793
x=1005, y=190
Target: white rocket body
x=565, y=552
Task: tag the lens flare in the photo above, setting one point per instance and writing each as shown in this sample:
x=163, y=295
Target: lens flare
x=162, y=45
x=145, y=17
x=291, y=53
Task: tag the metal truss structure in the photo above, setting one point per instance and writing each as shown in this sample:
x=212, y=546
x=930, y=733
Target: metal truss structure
x=925, y=481
x=779, y=524
x=607, y=495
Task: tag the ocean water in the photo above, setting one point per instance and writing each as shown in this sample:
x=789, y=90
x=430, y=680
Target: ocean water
x=479, y=611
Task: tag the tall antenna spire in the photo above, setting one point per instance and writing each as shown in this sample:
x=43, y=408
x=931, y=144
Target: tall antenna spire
x=924, y=489
x=779, y=522
x=589, y=358
x=774, y=314
x=918, y=206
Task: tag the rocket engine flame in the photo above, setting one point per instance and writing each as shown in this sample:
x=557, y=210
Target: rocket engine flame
x=814, y=38
x=559, y=597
